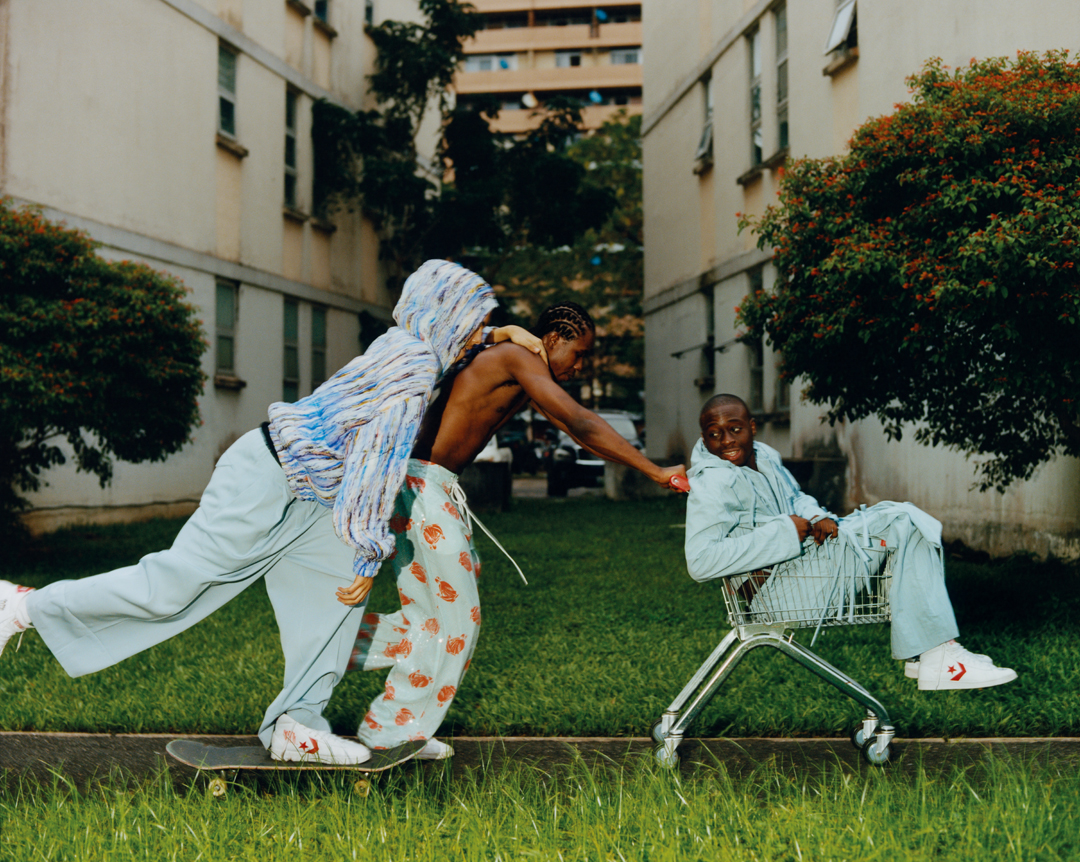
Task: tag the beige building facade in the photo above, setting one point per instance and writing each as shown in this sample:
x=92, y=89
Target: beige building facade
x=531, y=50
x=733, y=89
x=178, y=133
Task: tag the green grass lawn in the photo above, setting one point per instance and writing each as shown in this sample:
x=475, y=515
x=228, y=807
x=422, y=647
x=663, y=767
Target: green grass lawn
x=992, y=811
x=607, y=633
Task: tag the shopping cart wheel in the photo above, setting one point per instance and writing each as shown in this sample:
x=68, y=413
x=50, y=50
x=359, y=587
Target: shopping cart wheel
x=858, y=738
x=655, y=733
x=667, y=759
x=870, y=753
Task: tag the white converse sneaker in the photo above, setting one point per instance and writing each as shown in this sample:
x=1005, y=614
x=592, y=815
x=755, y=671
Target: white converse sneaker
x=950, y=666
x=11, y=597
x=435, y=750
x=294, y=742
x=911, y=667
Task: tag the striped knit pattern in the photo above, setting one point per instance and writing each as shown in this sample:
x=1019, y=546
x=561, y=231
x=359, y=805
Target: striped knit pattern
x=347, y=445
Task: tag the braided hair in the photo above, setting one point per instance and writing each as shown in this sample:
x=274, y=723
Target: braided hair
x=568, y=320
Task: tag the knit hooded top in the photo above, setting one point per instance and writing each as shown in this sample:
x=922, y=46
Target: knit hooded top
x=347, y=445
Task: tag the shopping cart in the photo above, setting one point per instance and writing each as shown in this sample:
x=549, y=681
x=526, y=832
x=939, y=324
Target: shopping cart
x=836, y=584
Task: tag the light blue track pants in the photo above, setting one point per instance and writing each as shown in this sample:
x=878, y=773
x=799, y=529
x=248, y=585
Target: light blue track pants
x=248, y=526
x=922, y=614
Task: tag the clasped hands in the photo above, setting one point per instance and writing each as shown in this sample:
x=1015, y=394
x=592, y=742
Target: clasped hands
x=821, y=530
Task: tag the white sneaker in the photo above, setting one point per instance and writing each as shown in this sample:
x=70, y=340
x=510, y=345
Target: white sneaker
x=435, y=750
x=911, y=667
x=294, y=742
x=950, y=666
x=11, y=596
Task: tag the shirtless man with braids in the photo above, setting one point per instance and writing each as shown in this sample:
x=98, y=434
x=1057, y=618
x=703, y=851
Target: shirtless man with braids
x=428, y=643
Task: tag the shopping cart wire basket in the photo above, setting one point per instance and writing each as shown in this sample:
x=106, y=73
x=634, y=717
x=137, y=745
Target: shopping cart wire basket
x=835, y=584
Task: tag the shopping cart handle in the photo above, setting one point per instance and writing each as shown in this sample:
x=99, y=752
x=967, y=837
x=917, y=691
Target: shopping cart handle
x=679, y=484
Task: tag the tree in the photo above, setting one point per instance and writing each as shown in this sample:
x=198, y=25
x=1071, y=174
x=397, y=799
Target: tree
x=601, y=268
x=101, y=354
x=928, y=275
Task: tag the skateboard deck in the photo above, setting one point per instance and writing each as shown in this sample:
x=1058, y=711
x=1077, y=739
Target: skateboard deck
x=215, y=757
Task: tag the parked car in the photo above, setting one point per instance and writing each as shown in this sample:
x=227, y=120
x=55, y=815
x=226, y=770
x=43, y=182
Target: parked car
x=570, y=466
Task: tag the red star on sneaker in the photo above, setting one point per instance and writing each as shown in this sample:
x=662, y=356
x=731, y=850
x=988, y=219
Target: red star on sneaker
x=963, y=670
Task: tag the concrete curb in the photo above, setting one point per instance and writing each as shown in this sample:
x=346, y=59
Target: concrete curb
x=89, y=758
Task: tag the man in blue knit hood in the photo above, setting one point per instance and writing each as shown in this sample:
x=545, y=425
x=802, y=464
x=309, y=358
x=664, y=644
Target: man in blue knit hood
x=302, y=502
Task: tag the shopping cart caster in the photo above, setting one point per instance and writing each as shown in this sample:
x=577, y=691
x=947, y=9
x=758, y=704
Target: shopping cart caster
x=858, y=738
x=666, y=756
x=656, y=733
x=872, y=755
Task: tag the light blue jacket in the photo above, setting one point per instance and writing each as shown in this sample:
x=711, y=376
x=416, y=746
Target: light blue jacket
x=738, y=520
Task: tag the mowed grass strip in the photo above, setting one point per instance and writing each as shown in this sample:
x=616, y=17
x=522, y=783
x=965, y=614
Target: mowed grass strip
x=1001, y=810
x=609, y=630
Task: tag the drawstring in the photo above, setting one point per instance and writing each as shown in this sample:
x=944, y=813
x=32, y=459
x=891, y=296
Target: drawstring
x=458, y=496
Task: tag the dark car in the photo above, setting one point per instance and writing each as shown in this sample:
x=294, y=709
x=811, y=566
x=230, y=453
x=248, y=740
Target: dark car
x=570, y=466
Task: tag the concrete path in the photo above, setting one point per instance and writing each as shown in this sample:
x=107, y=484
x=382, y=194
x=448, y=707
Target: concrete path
x=86, y=758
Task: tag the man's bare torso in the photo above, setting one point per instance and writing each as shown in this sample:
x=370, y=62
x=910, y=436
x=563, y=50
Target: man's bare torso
x=480, y=400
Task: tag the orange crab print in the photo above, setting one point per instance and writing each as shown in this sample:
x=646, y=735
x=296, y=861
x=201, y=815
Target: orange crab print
x=370, y=721
x=431, y=626
x=433, y=534
x=415, y=483
x=370, y=619
x=405, y=600
x=403, y=717
x=446, y=592
x=401, y=648
x=363, y=634
x=466, y=561
x=389, y=695
x=455, y=645
x=446, y=489
x=452, y=510
x=400, y=630
x=418, y=572
x=400, y=524
x=446, y=694
x=474, y=615
x=418, y=680
x=467, y=663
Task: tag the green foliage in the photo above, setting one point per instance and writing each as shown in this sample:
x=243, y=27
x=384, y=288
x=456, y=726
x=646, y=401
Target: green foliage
x=929, y=275
x=101, y=354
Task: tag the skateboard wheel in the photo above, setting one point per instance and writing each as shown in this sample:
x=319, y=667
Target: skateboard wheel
x=218, y=788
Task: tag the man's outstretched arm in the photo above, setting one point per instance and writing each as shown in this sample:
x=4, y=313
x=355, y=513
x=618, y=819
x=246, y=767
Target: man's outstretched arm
x=582, y=424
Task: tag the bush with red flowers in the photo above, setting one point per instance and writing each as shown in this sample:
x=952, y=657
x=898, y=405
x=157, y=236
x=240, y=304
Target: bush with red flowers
x=928, y=276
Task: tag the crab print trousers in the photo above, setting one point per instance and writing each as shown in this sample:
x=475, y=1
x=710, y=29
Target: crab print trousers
x=429, y=642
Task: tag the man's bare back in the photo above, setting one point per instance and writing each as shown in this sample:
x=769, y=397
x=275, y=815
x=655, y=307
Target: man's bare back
x=479, y=401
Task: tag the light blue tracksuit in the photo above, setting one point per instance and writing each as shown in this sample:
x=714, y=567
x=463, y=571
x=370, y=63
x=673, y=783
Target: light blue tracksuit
x=738, y=521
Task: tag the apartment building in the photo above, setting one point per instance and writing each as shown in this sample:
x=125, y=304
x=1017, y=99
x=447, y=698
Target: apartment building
x=530, y=50
x=734, y=89
x=177, y=132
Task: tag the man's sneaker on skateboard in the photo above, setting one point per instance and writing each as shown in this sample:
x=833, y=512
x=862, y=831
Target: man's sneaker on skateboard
x=950, y=666
x=13, y=618
x=294, y=742
x=435, y=750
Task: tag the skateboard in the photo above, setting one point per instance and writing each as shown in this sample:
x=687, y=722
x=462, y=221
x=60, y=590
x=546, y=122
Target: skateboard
x=237, y=758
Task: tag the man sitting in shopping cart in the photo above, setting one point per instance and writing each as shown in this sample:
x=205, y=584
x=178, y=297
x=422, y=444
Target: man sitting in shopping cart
x=747, y=520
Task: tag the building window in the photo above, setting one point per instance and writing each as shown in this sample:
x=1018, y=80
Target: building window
x=566, y=59
x=843, y=33
x=369, y=13
x=781, y=77
x=290, y=148
x=226, y=91
x=703, y=157
x=290, y=376
x=625, y=56
x=318, y=346
x=490, y=62
x=757, y=155
x=225, y=320
x=322, y=10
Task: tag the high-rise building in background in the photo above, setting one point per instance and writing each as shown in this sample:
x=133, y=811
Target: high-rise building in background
x=531, y=50
x=178, y=133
